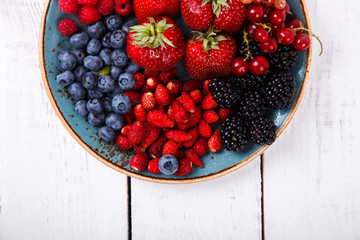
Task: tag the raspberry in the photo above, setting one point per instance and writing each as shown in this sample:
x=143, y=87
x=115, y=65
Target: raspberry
x=68, y=6
x=121, y=2
x=87, y=2
x=123, y=10
x=88, y=15
x=105, y=7
x=67, y=27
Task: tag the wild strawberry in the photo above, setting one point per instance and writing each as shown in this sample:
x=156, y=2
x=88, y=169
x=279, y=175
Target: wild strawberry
x=180, y=154
x=139, y=80
x=165, y=77
x=123, y=10
x=122, y=142
x=125, y=130
x=88, y=15
x=148, y=101
x=160, y=119
x=140, y=113
x=208, y=103
x=151, y=73
x=158, y=50
x=162, y=95
x=67, y=27
x=223, y=114
x=201, y=146
x=214, y=142
x=183, y=126
x=197, y=96
x=188, y=102
x=129, y=117
x=210, y=116
x=135, y=98
x=204, y=129
x=174, y=86
x=105, y=7
x=152, y=82
x=170, y=113
x=138, y=148
x=206, y=86
x=185, y=167
x=151, y=134
x=195, y=117
x=156, y=148
x=146, y=89
x=194, y=132
x=177, y=136
x=139, y=162
x=153, y=166
x=179, y=112
x=170, y=148
x=136, y=133
x=193, y=157
x=159, y=107
x=192, y=84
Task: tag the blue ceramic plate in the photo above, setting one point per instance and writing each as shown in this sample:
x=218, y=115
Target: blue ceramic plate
x=215, y=165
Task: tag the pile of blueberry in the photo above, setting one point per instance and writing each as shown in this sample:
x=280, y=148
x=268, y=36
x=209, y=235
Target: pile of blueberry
x=97, y=70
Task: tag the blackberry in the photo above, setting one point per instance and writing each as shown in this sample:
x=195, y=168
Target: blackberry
x=252, y=105
x=233, y=134
x=249, y=81
x=284, y=58
x=254, y=48
x=262, y=131
x=223, y=93
x=280, y=90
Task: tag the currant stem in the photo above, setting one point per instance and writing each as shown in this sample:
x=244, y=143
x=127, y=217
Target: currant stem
x=268, y=28
x=246, y=40
x=307, y=30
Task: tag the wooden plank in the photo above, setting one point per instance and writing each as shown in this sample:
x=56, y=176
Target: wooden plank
x=311, y=174
x=224, y=208
x=50, y=188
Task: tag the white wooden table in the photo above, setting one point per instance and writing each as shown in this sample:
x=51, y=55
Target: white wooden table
x=306, y=186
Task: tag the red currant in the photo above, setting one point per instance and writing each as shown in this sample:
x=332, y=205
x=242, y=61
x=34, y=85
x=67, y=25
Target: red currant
x=251, y=29
x=266, y=15
x=280, y=4
x=258, y=1
x=255, y=13
x=262, y=35
x=277, y=16
x=269, y=2
x=259, y=65
x=270, y=46
x=240, y=66
x=301, y=42
x=295, y=23
x=285, y=36
x=276, y=28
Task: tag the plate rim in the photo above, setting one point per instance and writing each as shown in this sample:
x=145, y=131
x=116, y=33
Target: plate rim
x=152, y=179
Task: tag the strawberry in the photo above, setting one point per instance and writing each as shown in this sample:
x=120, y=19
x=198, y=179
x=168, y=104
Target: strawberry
x=188, y=102
x=122, y=142
x=223, y=114
x=125, y=130
x=151, y=134
x=210, y=116
x=214, y=142
x=166, y=76
x=192, y=84
x=195, y=117
x=162, y=95
x=236, y=12
x=194, y=132
x=152, y=82
x=179, y=112
x=177, y=136
x=209, y=55
x=136, y=133
x=197, y=96
x=153, y=166
x=206, y=86
x=170, y=113
x=180, y=154
x=139, y=162
x=151, y=73
x=201, y=146
x=170, y=148
x=140, y=113
x=156, y=148
x=185, y=167
x=138, y=148
x=159, y=107
x=158, y=50
x=204, y=129
x=151, y=8
x=174, y=86
x=148, y=101
x=129, y=117
x=183, y=126
x=160, y=119
x=194, y=157
x=139, y=80
x=208, y=103
x=134, y=97
x=197, y=14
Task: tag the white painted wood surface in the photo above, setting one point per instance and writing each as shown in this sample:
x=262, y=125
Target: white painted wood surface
x=50, y=188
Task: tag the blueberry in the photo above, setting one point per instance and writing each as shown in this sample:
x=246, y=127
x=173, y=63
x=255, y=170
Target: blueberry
x=94, y=105
x=106, y=40
x=128, y=24
x=105, y=54
x=119, y=58
x=95, y=93
x=114, y=121
x=93, y=47
x=115, y=72
x=106, y=103
x=121, y=104
x=96, y=119
x=80, y=108
x=79, y=73
x=65, y=79
x=94, y=63
x=106, y=83
x=97, y=30
x=67, y=61
x=89, y=80
x=113, y=22
x=126, y=81
x=79, y=40
x=168, y=164
x=117, y=39
x=106, y=134
x=132, y=68
x=79, y=54
x=116, y=91
x=77, y=91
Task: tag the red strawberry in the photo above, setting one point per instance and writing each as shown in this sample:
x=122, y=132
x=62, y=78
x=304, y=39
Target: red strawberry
x=151, y=134
x=223, y=114
x=197, y=96
x=151, y=73
x=105, y=7
x=188, y=102
x=214, y=142
x=180, y=154
x=179, y=112
x=152, y=82
x=198, y=14
x=208, y=103
x=129, y=117
x=125, y=130
x=156, y=148
x=149, y=8
x=192, y=84
x=148, y=101
x=145, y=89
x=183, y=126
x=139, y=162
x=162, y=95
x=201, y=146
x=153, y=166
x=206, y=86
x=135, y=97
x=177, y=136
x=140, y=113
x=160, y=119
x=139, y=80
x=136, y=133
x=210, y=116
x=204, y=129
x=236, y=12
x=170, y=148
x=194, y=157
x=138, y=148
x=212, y=58
x=122, y=142
x=195, y=117
x=170, y=113
x=160, y=50
x=194, y=132
x=165, y=77
x=159, y=107
x=185, y=167
x=174, y=86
